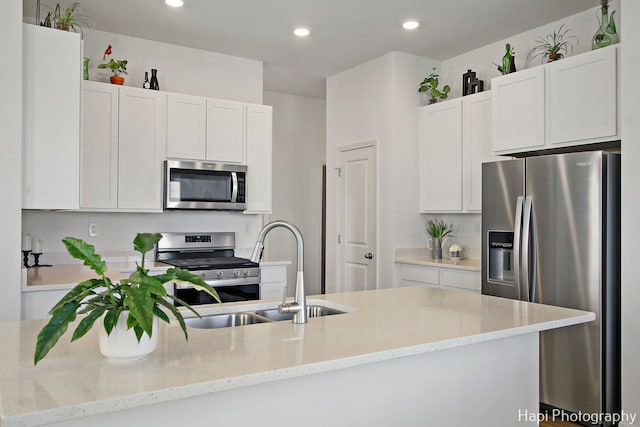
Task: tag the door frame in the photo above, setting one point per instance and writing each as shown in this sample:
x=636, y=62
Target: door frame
x=366, y=143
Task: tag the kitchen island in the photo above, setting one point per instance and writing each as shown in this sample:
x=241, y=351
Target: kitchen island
x=411, y=356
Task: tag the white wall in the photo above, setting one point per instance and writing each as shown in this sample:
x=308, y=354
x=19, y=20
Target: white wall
x=117, y=230
x=298, y=155
x=583, y=25
x=378, y=101
x=630, y=207
x=180, y=69
x=11, y=159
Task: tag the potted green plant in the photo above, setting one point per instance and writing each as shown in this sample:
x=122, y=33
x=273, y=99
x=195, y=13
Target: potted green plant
x=430, y=86
x=554, y=46
x=439, y=231
x=71, y=18
x=129, y=309
x=117, y=67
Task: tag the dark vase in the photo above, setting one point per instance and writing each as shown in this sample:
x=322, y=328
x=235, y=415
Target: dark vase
x=146, y=84
x=154, y=80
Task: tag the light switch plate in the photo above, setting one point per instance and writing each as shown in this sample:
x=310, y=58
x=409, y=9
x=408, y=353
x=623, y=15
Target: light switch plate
x=93, y=229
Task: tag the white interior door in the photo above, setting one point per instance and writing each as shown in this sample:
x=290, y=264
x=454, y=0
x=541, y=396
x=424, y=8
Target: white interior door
x=357, y=221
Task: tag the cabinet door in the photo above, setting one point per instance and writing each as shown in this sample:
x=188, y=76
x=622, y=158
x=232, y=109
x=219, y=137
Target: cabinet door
x=412, y=275
x=477, y=147
x=52, y=63
x=186, y=126
x=461, y=280
x=441, y=157
x=259, y=168
x=518, y=111
x=582, y=97
x=142, y=124
x=99, y=146
x=225, y=131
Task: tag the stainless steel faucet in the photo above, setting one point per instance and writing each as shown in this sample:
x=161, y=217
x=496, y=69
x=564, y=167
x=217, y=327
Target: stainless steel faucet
x=299, y=305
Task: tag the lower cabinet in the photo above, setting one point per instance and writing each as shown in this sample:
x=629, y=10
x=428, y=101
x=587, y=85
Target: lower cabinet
x=273, y=280
x=439, y=277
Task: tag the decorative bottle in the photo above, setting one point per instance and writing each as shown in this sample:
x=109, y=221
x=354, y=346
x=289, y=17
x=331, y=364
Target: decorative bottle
x=154, y=80
x=146, y=84
x=601, y=38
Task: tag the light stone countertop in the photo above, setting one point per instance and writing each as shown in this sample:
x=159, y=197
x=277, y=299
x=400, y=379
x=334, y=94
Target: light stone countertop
x=74, y=380
x=462, y=264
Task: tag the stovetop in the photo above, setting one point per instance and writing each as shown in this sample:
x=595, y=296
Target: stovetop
x=211, y=263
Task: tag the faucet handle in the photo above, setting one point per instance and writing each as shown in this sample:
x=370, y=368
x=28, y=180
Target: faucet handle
x=284, y=295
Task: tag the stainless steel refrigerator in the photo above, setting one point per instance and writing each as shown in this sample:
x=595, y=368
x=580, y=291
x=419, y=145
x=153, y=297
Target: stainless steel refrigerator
x=551, y=235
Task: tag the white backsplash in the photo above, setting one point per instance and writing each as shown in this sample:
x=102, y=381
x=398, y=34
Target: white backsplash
x=117, y=230
x=467, y=229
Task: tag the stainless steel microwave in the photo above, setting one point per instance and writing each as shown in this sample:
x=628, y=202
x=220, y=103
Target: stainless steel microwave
x=204, y=185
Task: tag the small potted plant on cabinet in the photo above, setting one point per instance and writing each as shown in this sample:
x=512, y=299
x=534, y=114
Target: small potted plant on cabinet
x=554, y=46
x=128, y=309
x=430, y=86
x=117, y=67
x=71, y=18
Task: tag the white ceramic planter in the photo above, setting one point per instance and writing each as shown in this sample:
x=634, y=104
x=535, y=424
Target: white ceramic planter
x=122, y=345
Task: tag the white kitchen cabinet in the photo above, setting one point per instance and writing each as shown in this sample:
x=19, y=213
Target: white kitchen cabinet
x=273, y=280
x=518, y=111
x=582, y=98
x=440, y=277
x=142, y=118
x=36, y=304
x=573, y=101
x=52, y=64
x=225, y=131
x=259, y=137
x=477, y=147
x=99, y=146
x=441, y=157
x=186, y=126
x=455, y=139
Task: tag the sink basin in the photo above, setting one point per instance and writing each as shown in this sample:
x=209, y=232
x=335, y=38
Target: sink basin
x=225, y=320
x=312, y=311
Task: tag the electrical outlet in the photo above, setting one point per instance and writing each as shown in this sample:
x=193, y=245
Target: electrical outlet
x=93, y=229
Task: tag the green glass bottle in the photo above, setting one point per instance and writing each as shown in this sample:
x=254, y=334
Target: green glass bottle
x=601, y=38
x=611, y=29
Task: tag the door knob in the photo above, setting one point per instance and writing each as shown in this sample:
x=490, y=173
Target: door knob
x=368, y=255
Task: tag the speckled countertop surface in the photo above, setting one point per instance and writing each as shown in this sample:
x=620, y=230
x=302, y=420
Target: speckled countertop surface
x=75, y=380
x=462, y=264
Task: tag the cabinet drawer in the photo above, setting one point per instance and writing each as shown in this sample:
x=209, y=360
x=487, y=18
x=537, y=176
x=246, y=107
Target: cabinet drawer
x=461, y=279
x=408, y=283
x=416, y=273
x=272, y=290
x=276, y=273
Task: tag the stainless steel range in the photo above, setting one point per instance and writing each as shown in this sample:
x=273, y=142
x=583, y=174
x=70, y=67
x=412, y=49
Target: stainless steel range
x=212, y=256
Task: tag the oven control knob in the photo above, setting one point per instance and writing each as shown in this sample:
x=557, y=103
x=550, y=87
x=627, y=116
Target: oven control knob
x=204, y=276
x=219, y=274
x=245, y=273
x=236, y=273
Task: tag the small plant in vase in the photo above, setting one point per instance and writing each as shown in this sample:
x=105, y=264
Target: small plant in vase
x=430, y=86
x=439, y=231
x=69, y=19
x=117, y=67
x=129, y=309
x=554, y=46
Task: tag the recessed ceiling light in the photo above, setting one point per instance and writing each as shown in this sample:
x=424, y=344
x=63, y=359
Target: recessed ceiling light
x=301, y=32
x=410, y=25
x=174, y=3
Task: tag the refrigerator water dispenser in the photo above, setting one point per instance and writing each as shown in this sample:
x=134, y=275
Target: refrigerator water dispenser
x=500, y=257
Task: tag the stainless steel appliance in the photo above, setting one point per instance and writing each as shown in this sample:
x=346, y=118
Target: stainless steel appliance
x=204, y=185
x=551, y=235
x=212, y=256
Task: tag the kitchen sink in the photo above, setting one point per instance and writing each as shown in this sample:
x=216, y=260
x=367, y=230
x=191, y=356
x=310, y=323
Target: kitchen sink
x=225, y=320
x=312, y=311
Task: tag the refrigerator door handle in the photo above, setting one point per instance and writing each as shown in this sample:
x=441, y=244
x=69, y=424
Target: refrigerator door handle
x=528, y=228
x=517, y=235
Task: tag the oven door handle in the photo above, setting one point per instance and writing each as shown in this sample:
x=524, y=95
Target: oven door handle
x=234, y=185
x=223, y=282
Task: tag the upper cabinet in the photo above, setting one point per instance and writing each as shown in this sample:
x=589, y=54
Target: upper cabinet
x=122, y=148
x=200, y=128
x=186, y=126
x=52, y=64
x=225, y=131
x=259, y=133
x=569, y=102
x=455, y=139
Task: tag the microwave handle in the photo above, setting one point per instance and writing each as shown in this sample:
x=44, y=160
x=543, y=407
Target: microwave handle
x=234, y=187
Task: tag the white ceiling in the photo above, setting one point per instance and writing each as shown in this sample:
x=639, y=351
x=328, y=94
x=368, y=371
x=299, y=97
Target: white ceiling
x=344, y=33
